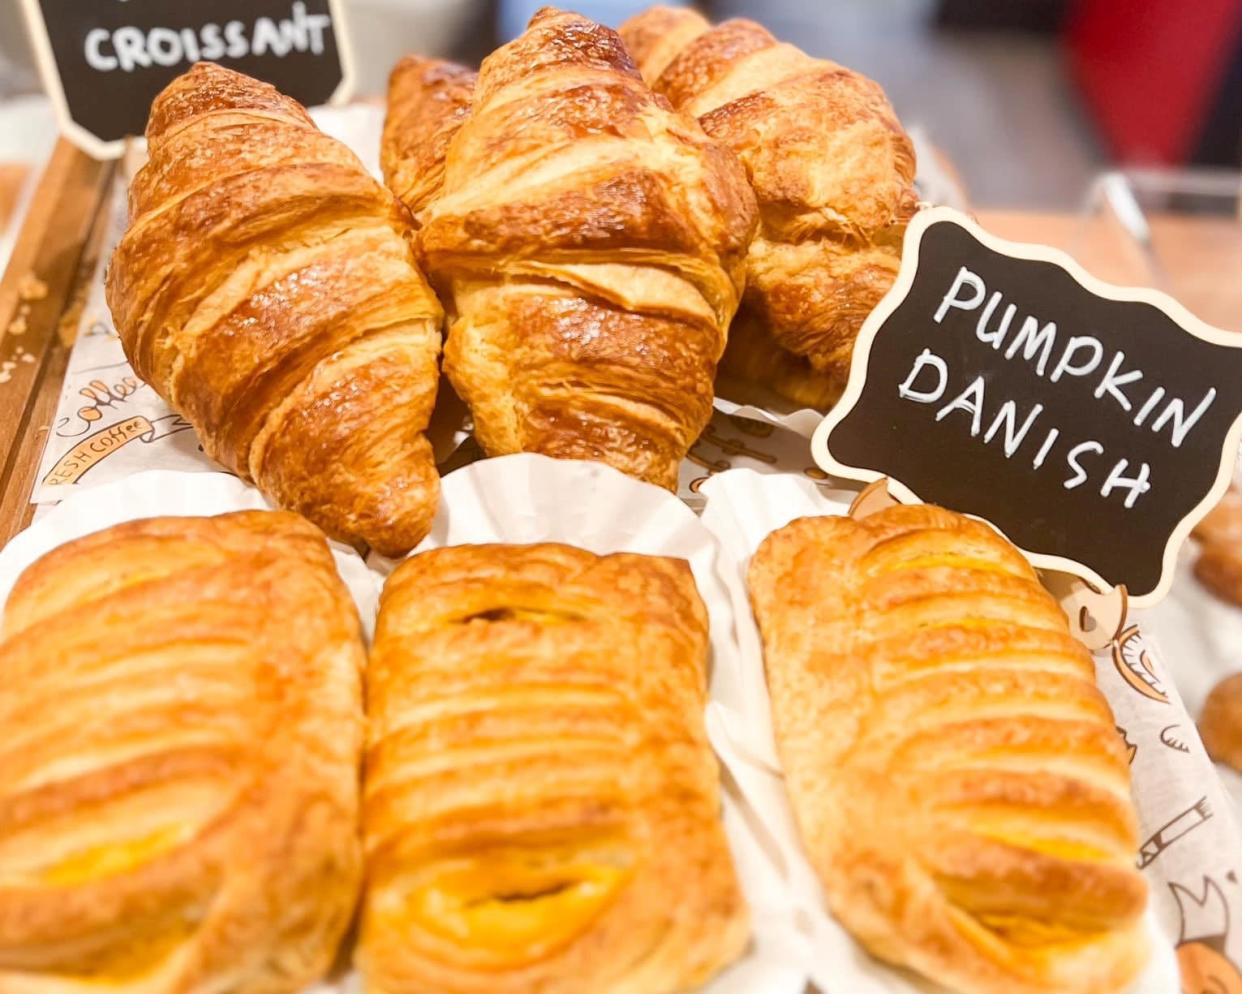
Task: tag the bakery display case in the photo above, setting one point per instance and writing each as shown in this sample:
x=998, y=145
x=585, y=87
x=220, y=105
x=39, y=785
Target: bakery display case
x=417, y=573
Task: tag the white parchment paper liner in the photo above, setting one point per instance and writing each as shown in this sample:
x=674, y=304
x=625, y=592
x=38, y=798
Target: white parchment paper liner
x=157, y=493
x=742, y=508
x=521, y=499
x=799, y=420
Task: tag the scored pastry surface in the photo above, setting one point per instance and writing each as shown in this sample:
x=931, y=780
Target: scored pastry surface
x=542, y=809
x=925, y=686
x=179, y=772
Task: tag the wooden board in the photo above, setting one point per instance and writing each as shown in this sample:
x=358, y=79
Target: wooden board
x=41, y=294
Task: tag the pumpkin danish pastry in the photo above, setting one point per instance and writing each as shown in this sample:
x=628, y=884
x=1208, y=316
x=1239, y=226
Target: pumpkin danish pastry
x=541, y=807
x=179, y=771
x=925, y=686
x=266, y=290
x=589, y=243
x=833, y=173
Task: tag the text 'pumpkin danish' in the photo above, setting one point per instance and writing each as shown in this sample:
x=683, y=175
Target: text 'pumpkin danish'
x=833, y=173
x=541, y=806
x=179, y=769
x=265, y=289
x=957, y=777
x=590, y=244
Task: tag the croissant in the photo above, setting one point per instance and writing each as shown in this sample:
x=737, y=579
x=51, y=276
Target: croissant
x=590, y=245
x=179, y=770
x=925, y=686
x=833, y=173
x=265, y=289
x=428, y=101
x=1219, y=566
x=541, y=806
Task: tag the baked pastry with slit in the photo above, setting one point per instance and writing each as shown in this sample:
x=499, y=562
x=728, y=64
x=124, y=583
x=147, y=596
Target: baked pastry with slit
x=179, y=771
x=589, y=244
x=266, y=290
x=542, y=808
x=833, y=173
x=925, y=686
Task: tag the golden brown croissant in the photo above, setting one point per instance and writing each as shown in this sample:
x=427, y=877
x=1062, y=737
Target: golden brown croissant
x=956, y=775
x=265, y=290
x=591, y=245
x=541, y=806
x=428, y=101
x=179, y=769
x=833, y=172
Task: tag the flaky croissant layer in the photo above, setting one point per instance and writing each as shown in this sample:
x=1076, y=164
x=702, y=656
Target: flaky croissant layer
x=589, y=243
x=833, y=173
x=265, y=289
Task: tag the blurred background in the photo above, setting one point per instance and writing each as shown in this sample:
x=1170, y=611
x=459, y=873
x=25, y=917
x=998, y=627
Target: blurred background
x=1028, y=104
x=1027, y=98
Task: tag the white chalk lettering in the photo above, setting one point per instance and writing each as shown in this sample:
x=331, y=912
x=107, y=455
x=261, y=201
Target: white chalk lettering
x=1006, y=418
x=131, y=49
x=1080, y=475
x=997, y=336
x=926, y=359
x=964, y=278
x=1066, y=363
x=1114, y=380
x=235, y=35
x=1044, y=449
x=164, y=46
x=1175, y=412
x=95, y=57
x=189, y=44
x=1134, y=486
x=1156, y=396
x=969, y=400
x=1034, y=340
x=213, y=42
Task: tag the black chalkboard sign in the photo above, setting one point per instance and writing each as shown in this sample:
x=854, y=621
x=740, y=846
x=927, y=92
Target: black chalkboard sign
x=103, y=61
x=1093, y=425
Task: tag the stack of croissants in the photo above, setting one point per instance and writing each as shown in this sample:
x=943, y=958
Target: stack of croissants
x=211, y=784
x=584, y=217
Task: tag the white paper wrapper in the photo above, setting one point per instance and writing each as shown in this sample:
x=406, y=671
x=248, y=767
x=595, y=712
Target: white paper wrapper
x=157, y=493
x=522, y=499
x=801, y=421
x=744, y=507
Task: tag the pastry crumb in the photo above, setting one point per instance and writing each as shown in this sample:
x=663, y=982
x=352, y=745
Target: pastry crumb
x=18, y=325
x=31, y=288
x=27, y=357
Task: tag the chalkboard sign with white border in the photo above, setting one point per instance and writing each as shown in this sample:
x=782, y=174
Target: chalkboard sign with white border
x=104, y=61
x=1093, y=425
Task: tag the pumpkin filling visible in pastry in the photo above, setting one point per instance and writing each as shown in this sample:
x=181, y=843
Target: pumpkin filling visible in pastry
x=515, y=907
x=110, y=859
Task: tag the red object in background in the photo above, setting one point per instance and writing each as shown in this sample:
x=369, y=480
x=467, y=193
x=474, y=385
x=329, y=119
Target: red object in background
x=1151, y=70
